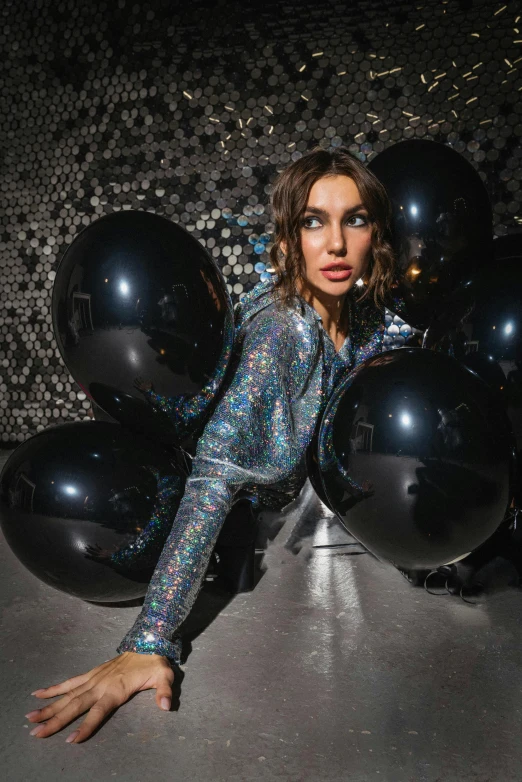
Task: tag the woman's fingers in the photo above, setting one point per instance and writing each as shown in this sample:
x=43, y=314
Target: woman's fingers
x=67, y=685
x=95, y=717
x=99, y=709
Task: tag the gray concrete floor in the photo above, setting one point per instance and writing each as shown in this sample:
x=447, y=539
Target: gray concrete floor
x=333, y=668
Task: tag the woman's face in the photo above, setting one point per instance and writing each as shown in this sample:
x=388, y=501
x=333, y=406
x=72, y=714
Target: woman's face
x=335, y=234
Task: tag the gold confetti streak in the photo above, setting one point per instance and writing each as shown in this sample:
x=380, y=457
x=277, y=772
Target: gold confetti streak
x=500, y=10
x=317, y=54
x=240, y=121
x=383, y=73
x=455, y=113
x=229, y=108
x=301, y=69
x=408, y=113
x=304, y=97
x=471, y=100
x=466, y=74
x=341, y=73
x=477, y=65
x=187, y=95
x=432, y=86
x=269, y=109
x=483, y=122
x=394, y=70
x=423, y=80
x=507, y=62
x=213, y=119
x=475, y=35
x=420, y=27
x=441, y=75
x=452, y=97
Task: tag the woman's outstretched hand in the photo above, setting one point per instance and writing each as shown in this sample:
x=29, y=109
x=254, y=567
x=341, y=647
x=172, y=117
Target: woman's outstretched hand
x=100, y=691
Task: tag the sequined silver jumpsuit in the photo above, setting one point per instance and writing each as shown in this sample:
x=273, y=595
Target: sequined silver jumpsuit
x=255, y=440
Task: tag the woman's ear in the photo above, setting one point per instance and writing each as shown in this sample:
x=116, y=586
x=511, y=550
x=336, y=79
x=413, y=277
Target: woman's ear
x=283, y=248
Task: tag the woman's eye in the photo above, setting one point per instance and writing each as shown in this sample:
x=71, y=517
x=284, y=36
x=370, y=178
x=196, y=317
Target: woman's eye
x=359, y=217
x=308, y=222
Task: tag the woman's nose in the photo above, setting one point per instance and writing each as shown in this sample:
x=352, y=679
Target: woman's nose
x=336, y=242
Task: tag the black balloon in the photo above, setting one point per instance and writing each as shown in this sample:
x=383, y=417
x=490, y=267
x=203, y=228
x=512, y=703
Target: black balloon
x=485, y=315
x=494, y=322
x=137, y=298
x=441, y=223
x=416, y=457
x=87, y=508
x=487, y=369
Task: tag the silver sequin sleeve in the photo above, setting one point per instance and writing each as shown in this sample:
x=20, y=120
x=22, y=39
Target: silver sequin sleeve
x=249, y=440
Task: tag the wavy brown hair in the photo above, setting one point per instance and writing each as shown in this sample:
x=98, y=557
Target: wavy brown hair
x=289, y=199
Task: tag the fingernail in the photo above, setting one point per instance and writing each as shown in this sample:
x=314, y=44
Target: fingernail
x=32, y=714
x=36, y=731
x=72, y=736
x=165, y=704
x=34, y=693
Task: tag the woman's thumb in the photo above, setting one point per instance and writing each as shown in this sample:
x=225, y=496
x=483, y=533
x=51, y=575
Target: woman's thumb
x=164, y=697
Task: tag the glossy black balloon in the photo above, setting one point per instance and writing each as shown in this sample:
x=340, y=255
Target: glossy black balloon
x=77, y=508
x=137, y=298
x=494, y=323
x=490, y=323
x=416, y=457
x=487, y=369
x=441, y=223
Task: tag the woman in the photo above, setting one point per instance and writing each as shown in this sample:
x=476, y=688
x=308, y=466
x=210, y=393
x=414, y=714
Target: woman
x=295, y=336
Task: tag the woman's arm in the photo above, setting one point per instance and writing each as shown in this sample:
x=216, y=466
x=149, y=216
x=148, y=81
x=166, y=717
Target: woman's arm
x=248, y=440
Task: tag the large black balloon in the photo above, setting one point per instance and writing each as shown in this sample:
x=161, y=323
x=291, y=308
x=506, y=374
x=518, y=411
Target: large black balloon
x=137, y=297
x=76, y=508
x=441, y=223
x=416, y=457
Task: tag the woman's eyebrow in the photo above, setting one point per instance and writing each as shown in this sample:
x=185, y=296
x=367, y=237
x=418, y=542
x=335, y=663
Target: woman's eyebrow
x=323, y=213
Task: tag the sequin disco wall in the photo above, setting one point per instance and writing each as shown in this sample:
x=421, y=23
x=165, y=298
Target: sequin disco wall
x=189, y=110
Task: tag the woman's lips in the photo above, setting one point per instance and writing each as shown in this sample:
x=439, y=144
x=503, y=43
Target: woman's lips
x=342, y=274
